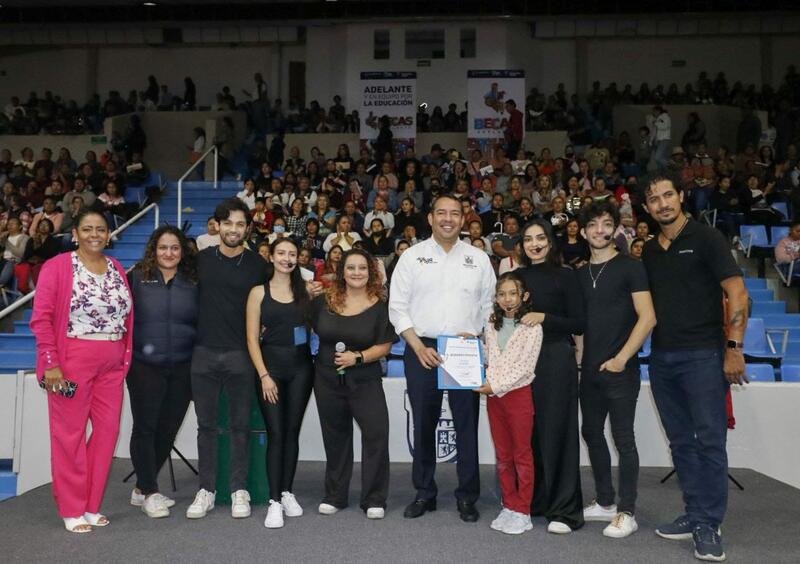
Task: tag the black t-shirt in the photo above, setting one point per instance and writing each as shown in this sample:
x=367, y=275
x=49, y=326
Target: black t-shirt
x=685, y=283
x=224, y=286
x=610, y=314
x=358, y=332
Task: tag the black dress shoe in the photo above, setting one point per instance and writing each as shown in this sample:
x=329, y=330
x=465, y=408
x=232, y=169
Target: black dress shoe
x=467, y=512
x=419, y=507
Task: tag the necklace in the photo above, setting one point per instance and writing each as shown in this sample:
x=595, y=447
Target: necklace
x=238, y=262
x=672, y=239
x=596, y=278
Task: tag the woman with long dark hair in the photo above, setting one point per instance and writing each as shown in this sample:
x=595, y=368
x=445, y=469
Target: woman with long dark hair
x=558, y=307
x=278, y=343
x=348, y=387
x=164, y=289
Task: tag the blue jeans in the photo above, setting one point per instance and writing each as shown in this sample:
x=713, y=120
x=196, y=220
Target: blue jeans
x=689, y=389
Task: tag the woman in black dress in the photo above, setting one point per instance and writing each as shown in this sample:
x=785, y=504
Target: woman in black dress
x=278, y=343
x=558, y=307
x=353, y=317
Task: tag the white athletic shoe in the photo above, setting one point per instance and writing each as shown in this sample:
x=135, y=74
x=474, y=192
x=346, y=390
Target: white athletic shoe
x=327, y=509
x=290, y=506
x=137, y=499
x=202, y=504
x=240, y=504
x=274, y=518
x=155, y=506
x=623, y=525
x=596, y=512
x=501, y=519
x=558, y=528
x=517, y=523
x=376, y=513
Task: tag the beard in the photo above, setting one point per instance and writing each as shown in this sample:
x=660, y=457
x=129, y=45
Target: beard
x=231, y=245
x=669, y=221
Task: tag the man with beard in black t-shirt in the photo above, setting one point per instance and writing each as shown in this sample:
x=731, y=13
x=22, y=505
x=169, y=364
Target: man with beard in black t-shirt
x=619, y=316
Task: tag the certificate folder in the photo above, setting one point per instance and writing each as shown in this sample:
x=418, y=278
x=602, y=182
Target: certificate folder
x=463, y=354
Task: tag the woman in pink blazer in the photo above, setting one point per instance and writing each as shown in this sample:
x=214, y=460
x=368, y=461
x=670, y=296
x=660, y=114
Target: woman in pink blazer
x=82, y=320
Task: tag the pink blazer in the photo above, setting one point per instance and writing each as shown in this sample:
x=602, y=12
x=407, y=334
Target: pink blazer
x=51, y=313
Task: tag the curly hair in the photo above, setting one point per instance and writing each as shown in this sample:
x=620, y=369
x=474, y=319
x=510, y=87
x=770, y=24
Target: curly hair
x=336, y=295
x=149, y=263
x=496, y=318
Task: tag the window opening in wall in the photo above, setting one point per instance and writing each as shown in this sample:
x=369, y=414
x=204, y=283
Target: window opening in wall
x=381, y=49
x=468, y=43
x=424, y=44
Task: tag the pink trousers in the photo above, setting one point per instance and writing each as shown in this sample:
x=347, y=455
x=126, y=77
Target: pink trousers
x=79, y=466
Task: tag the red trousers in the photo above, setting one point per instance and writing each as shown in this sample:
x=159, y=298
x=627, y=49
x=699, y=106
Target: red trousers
x=25, y=271
x=511, y=423
x=80, y=467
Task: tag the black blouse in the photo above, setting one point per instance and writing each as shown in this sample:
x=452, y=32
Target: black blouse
x=556, y=292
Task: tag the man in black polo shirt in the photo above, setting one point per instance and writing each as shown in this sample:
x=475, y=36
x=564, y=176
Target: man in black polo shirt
x=619, y=316
x=691, y=270
x=220, y=362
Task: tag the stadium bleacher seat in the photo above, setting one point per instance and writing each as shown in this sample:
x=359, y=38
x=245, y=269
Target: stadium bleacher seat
x=767, y=308
x=755, y=284
x=644, y=372
x=758, y=345
x=398, y=348
x=782, y=207
x=753, y=236
x=778, y=232
x=761, y=295
x=760, y=372
x=790, y=372
x=395, y=369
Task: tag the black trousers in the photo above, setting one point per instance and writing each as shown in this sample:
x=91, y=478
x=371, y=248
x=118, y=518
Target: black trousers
x=159, y=396
x=338, y=405
x=294, y=375
x=212, y=371
x=556, y=443
x=614, y=395
x=426, y=406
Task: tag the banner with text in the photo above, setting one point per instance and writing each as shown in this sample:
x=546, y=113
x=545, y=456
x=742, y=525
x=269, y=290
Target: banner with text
x=488, y=91
x=391, y=94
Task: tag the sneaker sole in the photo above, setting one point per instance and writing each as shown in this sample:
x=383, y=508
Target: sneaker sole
x=136, y=502
x=169, y=503
x=597, y=518
x=273, y=526
x=157, y=514
x=709, y=557
x=287, y=514
x=241, y=515
x=196, y=515
x=518, y=532
x=620, y=536
x=676, y=536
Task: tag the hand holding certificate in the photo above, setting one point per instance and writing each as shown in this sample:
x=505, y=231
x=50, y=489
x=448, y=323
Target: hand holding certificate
x=462, y=363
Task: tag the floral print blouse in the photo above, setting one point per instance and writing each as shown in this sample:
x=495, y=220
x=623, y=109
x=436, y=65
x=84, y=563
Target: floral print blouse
x=100, y=302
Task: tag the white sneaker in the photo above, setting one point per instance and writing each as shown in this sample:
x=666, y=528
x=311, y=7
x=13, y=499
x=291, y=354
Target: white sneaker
x=376, y=513
x=202, y=504
x=290, y=506
x=500, y=520
x=274, y=518
x=558, y=528
x=155, y=506
x=137, y=499
x=517, y=523
x=596, y=512
x=240, y=504
x=327, y=509
x=623, y=525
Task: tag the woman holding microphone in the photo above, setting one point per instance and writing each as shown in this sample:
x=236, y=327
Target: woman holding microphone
x=83, y=320
x=352, y=321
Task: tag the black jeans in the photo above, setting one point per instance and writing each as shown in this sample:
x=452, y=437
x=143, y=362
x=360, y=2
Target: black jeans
x=614, y=395
x=212, y=371
x=160, y=396
x=338, y=405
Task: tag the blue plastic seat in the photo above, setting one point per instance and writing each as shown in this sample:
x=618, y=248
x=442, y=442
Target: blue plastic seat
x=781, y=321
x=398, y=348
x=768, y=308
x=755, y=284
x=782, y=207
x=644, y=372
x=759, y=372
x=395, y=368
x=753, y=236
x=790, y=372
x=761, y=295
x=645, y=352
x=778, y=232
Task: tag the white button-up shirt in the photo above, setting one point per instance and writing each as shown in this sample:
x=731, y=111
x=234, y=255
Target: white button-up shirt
x=440, y=293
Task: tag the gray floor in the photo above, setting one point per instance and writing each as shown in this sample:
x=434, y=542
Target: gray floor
x=762, y=526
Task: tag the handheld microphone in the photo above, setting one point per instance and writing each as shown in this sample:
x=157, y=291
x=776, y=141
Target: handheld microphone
x=607, y=237
x=340, y=348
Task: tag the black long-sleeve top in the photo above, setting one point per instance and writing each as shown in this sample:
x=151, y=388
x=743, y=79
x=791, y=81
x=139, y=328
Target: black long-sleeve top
x=556, y=292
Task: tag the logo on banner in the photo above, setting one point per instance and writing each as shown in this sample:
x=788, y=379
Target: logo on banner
x=445, y=431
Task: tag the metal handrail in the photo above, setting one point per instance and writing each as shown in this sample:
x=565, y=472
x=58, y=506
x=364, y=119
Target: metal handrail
x=212, y=149
x=29, y=296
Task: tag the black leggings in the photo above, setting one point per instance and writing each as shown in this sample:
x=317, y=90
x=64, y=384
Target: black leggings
x=294, y=376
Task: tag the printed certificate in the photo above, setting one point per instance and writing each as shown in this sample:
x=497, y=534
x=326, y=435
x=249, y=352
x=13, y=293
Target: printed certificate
x=462, y=366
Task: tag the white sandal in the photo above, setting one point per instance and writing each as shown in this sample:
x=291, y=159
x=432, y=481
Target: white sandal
x=77, y=525
x=96, y=519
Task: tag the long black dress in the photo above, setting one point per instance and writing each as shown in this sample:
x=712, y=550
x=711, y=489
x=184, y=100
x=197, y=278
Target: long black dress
x=555, y=291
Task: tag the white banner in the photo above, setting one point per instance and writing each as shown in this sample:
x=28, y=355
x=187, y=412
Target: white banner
x=392, y=94
x=488, y=91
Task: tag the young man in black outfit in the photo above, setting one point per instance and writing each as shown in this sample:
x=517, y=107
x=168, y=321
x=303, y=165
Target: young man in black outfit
x=220, y=362
x=619, y=316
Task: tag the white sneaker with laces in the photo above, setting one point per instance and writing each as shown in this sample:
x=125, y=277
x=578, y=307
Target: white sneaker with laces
x=202, y=504
x=596, y=512
x=558, y=528
x=155, y=506
x=290, y=506
x=327, y=509
x=137, y=499
x=517, y=523
x=376, y=513
x=240, y=504
x=274, y=518
x=623, y=525
x=501, y=519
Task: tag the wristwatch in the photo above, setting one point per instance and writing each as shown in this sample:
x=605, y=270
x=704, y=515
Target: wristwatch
x=731, y=344
x=359, y=358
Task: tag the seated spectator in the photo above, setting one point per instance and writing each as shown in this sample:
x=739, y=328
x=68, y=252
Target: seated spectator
x=413, y=190
x=492, y=219
x=297, y=218
x=305, y=261
x=211, y=237
x=262, y=217
x=387, y=171
x=380, y=211
x=248, y=194
x=410, y=234
x=408, y=214
x=504, y=243
x=637, y=246
x=112, y=203
x=326, y=272
x=474, y=231
x=399, y=249
x=137, y=171
x=383, y=189
x=643, y=230
x=279, y=231
x=344, y=236
x=65, y=159
x=16, y=247
x=788, y=249
x=512, y=261
x=468, y=213
x=378, y=242
x=313, y=241
x=558, y=216
x=323, y=213
x=78, y=189
x=50, y=212
x=56, y=190
x=44, y=247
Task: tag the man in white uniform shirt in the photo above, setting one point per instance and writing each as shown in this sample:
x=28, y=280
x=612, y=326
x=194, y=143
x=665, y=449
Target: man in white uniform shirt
x=441, y=286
